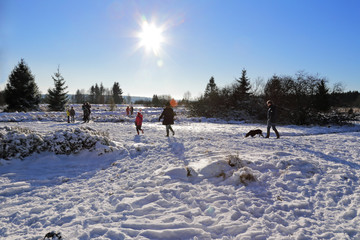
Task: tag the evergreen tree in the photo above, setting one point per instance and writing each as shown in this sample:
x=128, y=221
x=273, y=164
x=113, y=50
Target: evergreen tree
x=274, y=89
x=97, y=93
x=57, y=97
x=117, y=93
x=2, y=98
x=322, y=96
x=92, y=96
x=211, y=88
x=101, y=94
x=79, y=97
x=21, y=92
x=242, y=87
x=155, y=101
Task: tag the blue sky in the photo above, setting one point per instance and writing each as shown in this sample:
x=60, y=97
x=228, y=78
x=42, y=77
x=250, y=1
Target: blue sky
x=96, y=41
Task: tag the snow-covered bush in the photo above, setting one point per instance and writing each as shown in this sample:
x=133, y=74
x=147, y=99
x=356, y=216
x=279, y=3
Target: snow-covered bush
x=74, y=140
x=20, y=142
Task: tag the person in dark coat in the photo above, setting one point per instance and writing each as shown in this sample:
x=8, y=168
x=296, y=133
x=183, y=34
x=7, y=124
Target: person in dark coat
x=138, y=122
x=85, y=112
x=86, y=107
x=168, y=118
x=72, y=114
x=271, y=119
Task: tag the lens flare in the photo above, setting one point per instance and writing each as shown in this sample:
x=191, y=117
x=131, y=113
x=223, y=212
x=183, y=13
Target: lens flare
x=173, y=102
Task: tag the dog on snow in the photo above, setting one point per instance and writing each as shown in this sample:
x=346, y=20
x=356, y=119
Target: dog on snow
x=254, y=132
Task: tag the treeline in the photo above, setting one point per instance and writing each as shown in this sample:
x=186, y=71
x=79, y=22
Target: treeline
x=98, y=94
x=301, y=99
x=158, y=101
x=21, y=93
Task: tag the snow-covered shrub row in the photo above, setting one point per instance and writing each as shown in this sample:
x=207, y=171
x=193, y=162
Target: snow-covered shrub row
x=19, y=142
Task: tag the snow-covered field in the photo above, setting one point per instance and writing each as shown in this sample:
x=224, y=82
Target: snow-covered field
x=206, y=182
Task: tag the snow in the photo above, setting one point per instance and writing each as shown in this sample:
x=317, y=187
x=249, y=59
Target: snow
x=206, y=182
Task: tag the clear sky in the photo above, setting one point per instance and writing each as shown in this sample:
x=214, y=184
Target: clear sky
x=184, y=43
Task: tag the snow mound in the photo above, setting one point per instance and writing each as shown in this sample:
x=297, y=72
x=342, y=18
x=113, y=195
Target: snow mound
x=227, y=169
x=21, y=142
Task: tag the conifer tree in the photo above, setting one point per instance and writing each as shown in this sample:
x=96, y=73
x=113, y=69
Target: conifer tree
x=101, y=97
x=92, y=96
x=244, y=84
x=21, y=92
x=117, y=93
x=322, y=96
x=155, y=101
x=211, y=88
x=79, y=97
x=2, y=98
x=242, y=88
x=57, y=97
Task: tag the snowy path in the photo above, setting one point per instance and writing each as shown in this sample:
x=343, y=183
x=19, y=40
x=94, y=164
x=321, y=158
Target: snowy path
x=306, y=185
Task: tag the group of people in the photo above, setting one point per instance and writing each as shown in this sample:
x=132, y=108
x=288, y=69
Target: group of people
x=129, y=110
x=70, y=112
x=168, y=115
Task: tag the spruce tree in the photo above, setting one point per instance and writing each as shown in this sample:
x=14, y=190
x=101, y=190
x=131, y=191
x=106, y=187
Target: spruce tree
x=155, y=101
x=242, y=88
x=2, y=98
x=117, y=93
x=57, y=97
x=79, y=97
x=101, y=94
x=21, y=92
x=92, y=96
x=211, y=88
x=244, y=84
x=322, y=102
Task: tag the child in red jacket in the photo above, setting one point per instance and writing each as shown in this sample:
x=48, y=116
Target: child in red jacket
x=138, y=122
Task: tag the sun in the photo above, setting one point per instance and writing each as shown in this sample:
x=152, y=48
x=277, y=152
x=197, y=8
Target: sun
x=151, y=37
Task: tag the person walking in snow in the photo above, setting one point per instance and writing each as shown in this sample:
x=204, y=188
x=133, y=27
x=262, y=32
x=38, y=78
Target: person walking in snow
x=132, y=110
x=271, y=119
x=127, y=111
x=68, y=115
x=168, y=116
x=86, y=108
x=89, y=108
x=72, y=114
x=138, y=122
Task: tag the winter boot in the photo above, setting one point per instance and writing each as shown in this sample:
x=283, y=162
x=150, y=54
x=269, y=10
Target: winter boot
x=277, y=133
x=267, y=133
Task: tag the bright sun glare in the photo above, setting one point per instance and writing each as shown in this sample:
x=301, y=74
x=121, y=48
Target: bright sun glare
x=151, y=37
